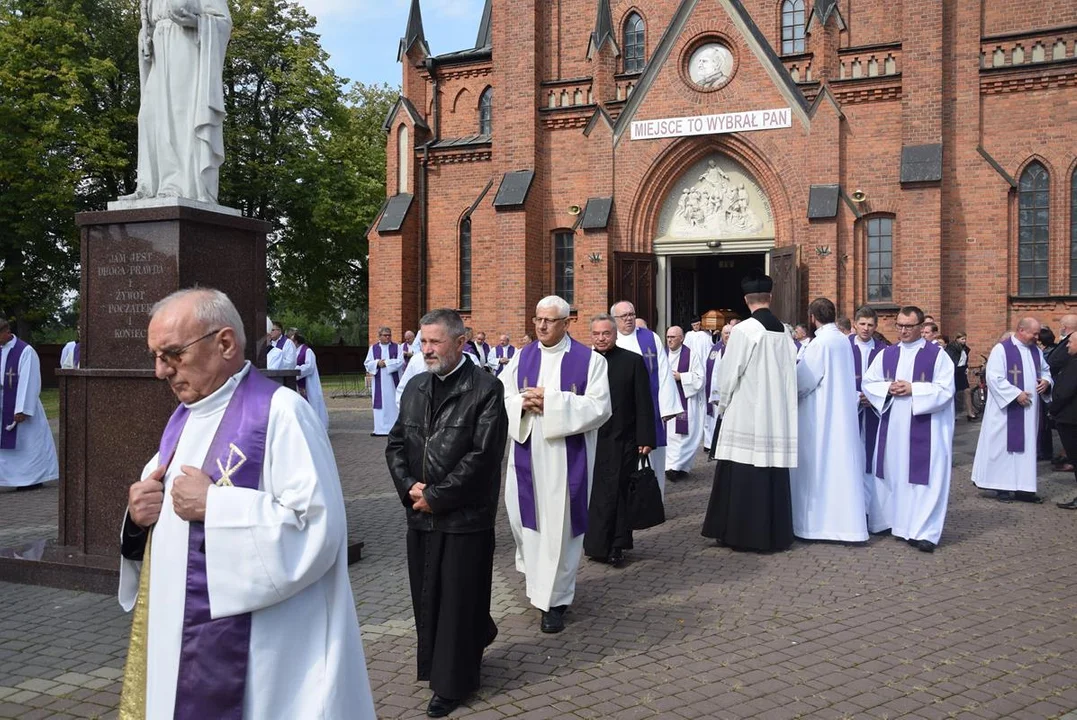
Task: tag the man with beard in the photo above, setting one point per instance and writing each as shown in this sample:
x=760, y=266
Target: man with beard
x=628, y=434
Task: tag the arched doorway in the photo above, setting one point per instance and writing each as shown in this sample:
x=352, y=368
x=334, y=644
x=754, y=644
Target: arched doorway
x=715, y=224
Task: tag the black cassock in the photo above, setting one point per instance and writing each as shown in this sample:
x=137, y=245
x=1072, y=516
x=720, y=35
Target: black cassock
x=616, y=453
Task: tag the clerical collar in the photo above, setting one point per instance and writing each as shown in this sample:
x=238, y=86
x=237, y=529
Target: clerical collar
x=918, y=342
x=218, y=399
x=864, y=342
x=463, y=359
x=554, y=348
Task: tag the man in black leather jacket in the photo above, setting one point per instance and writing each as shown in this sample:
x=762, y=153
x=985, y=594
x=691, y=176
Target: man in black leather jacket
x=444, y=455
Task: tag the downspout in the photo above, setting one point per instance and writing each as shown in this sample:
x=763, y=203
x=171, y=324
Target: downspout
x=423, y=179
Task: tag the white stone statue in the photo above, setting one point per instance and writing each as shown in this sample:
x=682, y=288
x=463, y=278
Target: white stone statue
x=181, y=63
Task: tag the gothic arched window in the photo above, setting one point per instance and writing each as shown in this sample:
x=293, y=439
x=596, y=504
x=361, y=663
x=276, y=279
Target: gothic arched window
x=792, y=27
x=563, y=268
x=486, y=112
x=633, y=45
x=1032, y=230
x=465, y=264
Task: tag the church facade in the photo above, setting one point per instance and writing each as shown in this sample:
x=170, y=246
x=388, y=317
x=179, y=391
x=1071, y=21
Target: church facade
x=910, y=152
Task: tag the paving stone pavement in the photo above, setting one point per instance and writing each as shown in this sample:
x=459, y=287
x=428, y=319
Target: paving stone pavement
x=983, y=628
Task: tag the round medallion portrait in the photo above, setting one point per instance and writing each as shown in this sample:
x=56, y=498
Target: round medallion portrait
x=710, y=66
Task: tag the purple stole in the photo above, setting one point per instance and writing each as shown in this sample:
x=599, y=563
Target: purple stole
x=10, y=382
x=301, y=383
x=923, y=370
x=500, y=352
x=683, y=363
x=647, y=349
x=212, y=678
x=717, y=350
x=280, y=342
x=1015, y=414
x=377, y=373
x=78, y=355
x=574, y=367
x=869, y=421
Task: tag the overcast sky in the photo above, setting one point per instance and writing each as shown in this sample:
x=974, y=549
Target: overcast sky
x=362, y=36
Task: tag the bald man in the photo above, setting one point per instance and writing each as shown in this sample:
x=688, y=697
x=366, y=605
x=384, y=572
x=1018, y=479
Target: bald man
x=1018, y=380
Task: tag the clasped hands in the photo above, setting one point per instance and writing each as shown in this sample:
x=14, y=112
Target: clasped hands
x=417, y=499
x=189, y=492
x=533, y=399
x=901, y=388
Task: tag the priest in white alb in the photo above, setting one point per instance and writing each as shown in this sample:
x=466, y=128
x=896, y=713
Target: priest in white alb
x=1018, y=380
x=282, y=351
x=827, y=485
x=235, y=548
x=71, y=355
x=911, y=386
x=309, y=383
x=663, y=389
x=698, y=339
x=557, y=397
x=684, y=433
x=27, y=451
x=384, y=362
x=714, y=364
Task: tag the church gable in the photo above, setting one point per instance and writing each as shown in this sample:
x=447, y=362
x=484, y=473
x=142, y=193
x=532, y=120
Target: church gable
x=712, y=59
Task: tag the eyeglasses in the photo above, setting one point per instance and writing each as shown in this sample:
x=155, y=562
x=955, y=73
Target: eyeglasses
x=543, y=322
x=899, y=326
x=172, y=358
x=625, y=316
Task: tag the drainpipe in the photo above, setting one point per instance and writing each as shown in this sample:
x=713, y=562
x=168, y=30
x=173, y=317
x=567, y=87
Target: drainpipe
x=423, y=181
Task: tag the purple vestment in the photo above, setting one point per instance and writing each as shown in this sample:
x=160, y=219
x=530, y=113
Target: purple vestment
x=869, y=421
x=393, y=347
x=1015, y=413
x=10, y=382
x=923, y=370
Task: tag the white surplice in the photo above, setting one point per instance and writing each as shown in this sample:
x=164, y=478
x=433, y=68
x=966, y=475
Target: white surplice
x=384, y=417
x=309, y=371
x=282, y=358
x=878, y=502
x=681, y=449
x=757, y=391
x=714, y=400
x=995, y=468
x=669, y=402
x=803, y=348
x=550, y=556
x=33, y=459
x=416, y=365
x=919, y=511
x=827, y=485
x=279, y=553
x=701, y=343
x=67, y=356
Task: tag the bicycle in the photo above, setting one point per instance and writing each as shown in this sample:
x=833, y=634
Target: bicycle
x=979, y=387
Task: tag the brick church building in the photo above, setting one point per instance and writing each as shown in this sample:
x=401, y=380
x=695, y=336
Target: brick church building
x=883, y=153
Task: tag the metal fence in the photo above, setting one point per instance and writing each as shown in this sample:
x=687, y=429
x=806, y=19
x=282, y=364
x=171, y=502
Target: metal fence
x=349, y=384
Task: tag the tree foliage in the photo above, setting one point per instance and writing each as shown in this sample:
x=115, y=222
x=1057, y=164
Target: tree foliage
x=300, y=152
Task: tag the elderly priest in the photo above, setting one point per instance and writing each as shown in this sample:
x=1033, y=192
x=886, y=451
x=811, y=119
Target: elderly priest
x=1018, y=381
x=557, y=396
x=384, y=361
x=235, y=542
x=27, y=451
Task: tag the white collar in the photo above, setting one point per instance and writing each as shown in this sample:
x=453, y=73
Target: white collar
x=218, y=400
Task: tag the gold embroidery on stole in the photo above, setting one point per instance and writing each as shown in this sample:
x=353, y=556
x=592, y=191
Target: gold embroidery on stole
x=133, y=696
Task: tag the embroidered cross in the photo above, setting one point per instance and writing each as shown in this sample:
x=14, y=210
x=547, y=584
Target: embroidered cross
x=649, y=356
x=11, y=375
x=923, y=376
x=574, y=390
x=1016, y=372
x=229, y=468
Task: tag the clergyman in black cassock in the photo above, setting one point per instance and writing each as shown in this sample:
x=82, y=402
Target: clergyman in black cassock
x=444, y=455
x=609, y=528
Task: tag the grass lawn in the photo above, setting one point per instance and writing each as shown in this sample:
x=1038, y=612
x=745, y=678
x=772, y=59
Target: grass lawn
x=50, y=398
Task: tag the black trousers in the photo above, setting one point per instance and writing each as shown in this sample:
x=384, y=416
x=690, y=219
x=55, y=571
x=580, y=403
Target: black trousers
x=451, y=578
x=1067, y=433
x=608, y=523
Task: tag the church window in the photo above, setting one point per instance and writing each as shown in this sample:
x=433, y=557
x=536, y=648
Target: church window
x=1032, y=235
x=486, y=112
x=402, y=159
x=563, y=269
x=465, y=264
x=634, y=34
x=1073, y=232
x=792, y=27
x=880, y=259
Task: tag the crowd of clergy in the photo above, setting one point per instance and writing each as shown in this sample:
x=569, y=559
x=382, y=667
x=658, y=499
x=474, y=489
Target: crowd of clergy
x=821, y=432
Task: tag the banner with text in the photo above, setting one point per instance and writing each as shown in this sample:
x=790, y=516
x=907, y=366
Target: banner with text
x=711, y=124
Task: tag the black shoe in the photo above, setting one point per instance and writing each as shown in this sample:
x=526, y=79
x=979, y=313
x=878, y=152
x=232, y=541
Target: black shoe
x=1005, y=496
x=914, y=543
x=671, y=476
x=616, y=558
x=554, y=620
x=28, y=488
x=440, y=707
x=1029, y=497
x=1071, y=505
x=925, y=546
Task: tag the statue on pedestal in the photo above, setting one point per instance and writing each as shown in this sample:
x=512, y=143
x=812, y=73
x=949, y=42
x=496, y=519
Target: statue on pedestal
x=182, y=45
